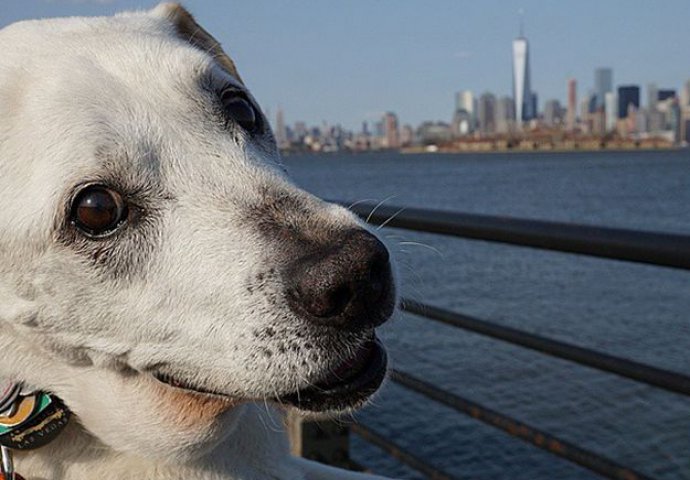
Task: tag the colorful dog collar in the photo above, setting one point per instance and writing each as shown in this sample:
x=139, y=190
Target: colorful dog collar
x=28, y=419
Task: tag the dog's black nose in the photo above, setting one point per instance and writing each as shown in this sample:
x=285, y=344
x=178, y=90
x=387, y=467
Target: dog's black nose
x=347, y=284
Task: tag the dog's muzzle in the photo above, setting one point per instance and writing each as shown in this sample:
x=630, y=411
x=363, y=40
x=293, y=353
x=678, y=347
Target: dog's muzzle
x=346, y=287
x=343, y=289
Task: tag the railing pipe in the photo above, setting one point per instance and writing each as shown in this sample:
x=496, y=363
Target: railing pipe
x=399, y=453
x=671, y=381
x=543, y=440
x=664, y=249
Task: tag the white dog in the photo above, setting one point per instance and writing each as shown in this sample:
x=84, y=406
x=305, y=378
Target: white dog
x=158, y=272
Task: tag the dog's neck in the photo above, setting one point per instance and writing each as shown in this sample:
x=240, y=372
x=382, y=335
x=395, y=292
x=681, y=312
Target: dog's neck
x=77, y=455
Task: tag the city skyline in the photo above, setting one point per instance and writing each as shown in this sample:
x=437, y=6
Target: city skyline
x=347, y=62
x=607, y=115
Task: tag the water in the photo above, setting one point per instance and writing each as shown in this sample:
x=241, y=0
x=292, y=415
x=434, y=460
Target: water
x=634, y=311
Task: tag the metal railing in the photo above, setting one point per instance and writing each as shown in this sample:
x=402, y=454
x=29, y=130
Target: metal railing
x=660, y=249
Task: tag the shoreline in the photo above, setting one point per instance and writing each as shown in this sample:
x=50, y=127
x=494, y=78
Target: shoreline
x=523, y=151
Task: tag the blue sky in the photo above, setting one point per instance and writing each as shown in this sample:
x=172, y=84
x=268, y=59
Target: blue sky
x=348, y=61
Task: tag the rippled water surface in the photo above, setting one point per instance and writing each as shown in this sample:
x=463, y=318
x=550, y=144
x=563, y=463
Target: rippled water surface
x=634, y=311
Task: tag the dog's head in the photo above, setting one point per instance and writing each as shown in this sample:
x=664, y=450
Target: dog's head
x=157, y=269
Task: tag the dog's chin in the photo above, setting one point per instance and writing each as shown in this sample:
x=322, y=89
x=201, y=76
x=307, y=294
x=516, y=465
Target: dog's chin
x=345, y=388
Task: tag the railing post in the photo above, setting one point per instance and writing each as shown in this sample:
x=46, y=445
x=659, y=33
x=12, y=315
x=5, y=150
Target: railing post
x=323, y=441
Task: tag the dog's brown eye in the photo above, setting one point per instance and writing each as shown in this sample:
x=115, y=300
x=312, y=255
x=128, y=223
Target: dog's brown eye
x=98, y=210
x=241, y=111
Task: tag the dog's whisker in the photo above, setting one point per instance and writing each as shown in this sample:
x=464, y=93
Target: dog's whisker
x=420, y=244
x=373, y=211
x=354, y=204
x=389, y=219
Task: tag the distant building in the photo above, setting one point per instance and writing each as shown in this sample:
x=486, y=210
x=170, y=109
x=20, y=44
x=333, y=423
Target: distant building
x=430, y=133
x=652, y=96
x=300, y=131
x=611, y=110
x=505, y=115
x=585, y=103
x=631, y=120
x=593, y=104
x=656, y=121
x=685, y=113
x=552, y=113
x=464, y=116
x=665, y=95
x=486, y=113
x=391, y=134
x=281, y=131
x=463, y=123
x=572, y=105
x=675, y=120
x=627, y=95
x=534, y=105
x=598, y=119
x=379, y=129
x=685, y=95
x=465, y=101
x=406, y=136
x=522, y=91
x=642, y=121
x=603, y=84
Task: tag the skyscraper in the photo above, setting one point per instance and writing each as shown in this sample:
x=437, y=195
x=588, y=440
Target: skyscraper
x=611, y=109
x=652, y=96
x=391, y=133
x=522, y=91
x=281, y=132
x=465, y=111
x=505, y=115
x=487, y=113
x=464, y=100
x=627, y=95
x=603, y=84
x=685, y=95
x=665, y=94
x=552, y=113
x=572, y=104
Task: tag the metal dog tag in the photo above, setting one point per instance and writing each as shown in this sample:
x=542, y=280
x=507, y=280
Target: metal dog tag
x=7, y=465
x=31, y=419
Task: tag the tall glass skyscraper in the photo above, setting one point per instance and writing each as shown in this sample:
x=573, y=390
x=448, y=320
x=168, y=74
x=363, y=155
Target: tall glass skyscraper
x=627, y=95
x=522, y=91
x=603, y=84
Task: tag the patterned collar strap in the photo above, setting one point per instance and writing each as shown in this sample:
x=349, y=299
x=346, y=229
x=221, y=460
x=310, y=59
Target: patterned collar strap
x=29, y=418
x=9, y=391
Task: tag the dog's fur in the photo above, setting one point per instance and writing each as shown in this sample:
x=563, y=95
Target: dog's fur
x=192, y=286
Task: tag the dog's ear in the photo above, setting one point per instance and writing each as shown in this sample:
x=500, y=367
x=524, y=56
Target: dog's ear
x=190, y=31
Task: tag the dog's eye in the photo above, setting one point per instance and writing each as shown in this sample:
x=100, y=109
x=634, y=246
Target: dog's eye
x=98, y=210
x=240, y=110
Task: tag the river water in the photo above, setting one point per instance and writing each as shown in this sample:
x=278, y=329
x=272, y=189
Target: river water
x=634, y=311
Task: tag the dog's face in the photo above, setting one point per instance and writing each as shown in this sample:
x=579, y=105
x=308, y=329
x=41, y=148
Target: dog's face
x=157, y=269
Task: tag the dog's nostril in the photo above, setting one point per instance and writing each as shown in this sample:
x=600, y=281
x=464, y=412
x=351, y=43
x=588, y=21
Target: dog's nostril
x=336, y=301
x=343, y=284
x=322, y=302
x=377, y=279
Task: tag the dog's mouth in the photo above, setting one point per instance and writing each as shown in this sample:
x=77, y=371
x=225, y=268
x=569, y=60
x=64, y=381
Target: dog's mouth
x=348, y=386
x=180, y=384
